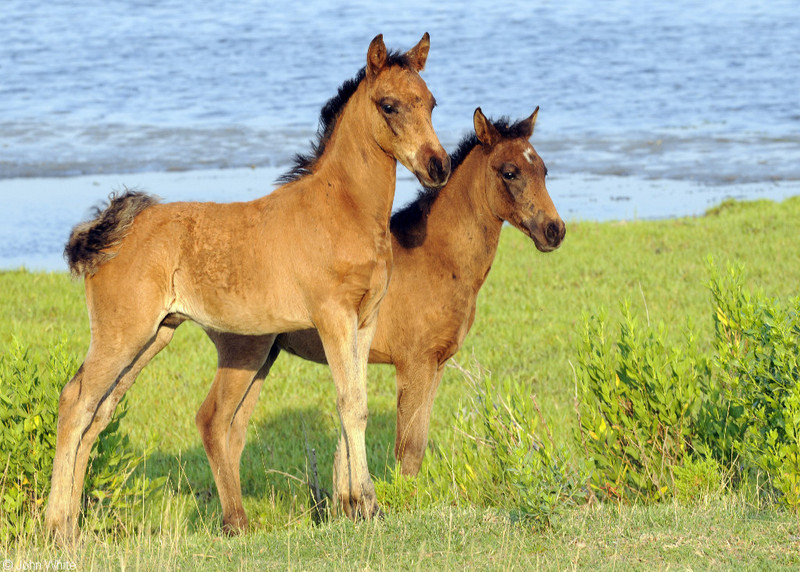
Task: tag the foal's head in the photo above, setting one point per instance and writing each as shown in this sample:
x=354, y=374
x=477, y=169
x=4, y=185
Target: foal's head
x=515, y=182
x=401, y=106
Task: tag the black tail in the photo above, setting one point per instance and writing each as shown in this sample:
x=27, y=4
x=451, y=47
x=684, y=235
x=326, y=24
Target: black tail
x=92, y=243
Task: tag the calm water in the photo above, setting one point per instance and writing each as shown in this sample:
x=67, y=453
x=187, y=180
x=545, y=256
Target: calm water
x=679, y=90
x=684, y=89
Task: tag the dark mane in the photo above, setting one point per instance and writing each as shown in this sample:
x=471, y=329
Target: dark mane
x=409, y=224
x=304, y=163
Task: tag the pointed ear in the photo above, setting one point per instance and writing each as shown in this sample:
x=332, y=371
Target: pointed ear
x=376, y=56
x=530, y=122
x=418, y=55
x=486, y=132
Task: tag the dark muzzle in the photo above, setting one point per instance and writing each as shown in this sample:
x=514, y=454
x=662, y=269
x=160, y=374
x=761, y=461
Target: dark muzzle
x=555, y=232
x=439, y=171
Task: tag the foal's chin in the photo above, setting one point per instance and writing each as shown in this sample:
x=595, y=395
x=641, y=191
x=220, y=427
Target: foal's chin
x=428, y=182
x=541, y=244
x=543, y=247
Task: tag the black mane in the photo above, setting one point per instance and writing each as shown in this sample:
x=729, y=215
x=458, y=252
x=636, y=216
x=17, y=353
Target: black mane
x=304, y=163
x=409, y=224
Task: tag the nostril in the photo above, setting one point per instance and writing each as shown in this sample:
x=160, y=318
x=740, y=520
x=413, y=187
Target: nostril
x=436, y=170
x=553, y=233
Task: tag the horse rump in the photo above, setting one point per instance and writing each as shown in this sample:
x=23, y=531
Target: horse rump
x=93, y=242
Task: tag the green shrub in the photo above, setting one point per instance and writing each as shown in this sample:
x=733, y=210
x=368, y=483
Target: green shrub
x=638, y=403
x=655, y=419
x=29, y=394
x=758, y=348
x=398, y=491
x=698, y=478
x=501, y=460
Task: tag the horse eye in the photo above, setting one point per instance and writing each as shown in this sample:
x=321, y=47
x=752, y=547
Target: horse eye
x=388, y=109
x=509, y=175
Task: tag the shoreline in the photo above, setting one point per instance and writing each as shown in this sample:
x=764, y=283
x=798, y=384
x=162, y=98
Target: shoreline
x=39, y=213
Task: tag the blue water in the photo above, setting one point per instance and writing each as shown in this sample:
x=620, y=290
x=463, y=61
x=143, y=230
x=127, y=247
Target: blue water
x=682, y=89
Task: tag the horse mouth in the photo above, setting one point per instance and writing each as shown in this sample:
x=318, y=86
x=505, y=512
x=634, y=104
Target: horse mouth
x=541, y=246
x=436, y=173
x=428, y=182
x=553, y=234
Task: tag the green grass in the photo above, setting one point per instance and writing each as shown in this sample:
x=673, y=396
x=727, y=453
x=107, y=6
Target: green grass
x=716, y=533
x=530, y=314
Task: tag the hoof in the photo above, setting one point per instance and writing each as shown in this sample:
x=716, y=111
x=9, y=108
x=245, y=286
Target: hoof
x=235, y=526
x=62, y=531
x=363, y=509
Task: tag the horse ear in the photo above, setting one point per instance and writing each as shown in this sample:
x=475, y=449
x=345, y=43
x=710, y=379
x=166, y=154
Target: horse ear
x=418, y=55
x=376, y=56
x=530, y=122
x=486, y=132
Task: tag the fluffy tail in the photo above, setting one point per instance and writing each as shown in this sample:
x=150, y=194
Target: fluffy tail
x=92, y=243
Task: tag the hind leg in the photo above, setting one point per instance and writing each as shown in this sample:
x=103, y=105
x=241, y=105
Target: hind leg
x=245, y=411
x=417, y=383
x=85, y=408
x=223, y=416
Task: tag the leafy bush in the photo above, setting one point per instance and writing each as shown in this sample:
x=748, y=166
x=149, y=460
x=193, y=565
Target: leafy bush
x=698, y=478
x=654, y=419
x=758, y=348
x=29, y=394
x=399, y=491
x=502, y=460
x=638, y=406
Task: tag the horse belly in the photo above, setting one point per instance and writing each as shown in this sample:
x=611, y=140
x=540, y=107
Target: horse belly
x=231, y=306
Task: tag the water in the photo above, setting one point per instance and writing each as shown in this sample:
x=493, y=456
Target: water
x=677, y=97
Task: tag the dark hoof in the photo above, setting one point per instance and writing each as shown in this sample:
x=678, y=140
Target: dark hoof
x=235, y=527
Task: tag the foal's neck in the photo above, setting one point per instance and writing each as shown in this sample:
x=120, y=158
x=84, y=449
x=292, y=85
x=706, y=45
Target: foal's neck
x=355, y=167
x=461, y=225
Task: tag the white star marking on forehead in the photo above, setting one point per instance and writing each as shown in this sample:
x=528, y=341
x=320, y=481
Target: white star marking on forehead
x=528, y=154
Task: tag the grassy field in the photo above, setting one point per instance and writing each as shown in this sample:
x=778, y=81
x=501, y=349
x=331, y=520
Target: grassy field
x=530, y=316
